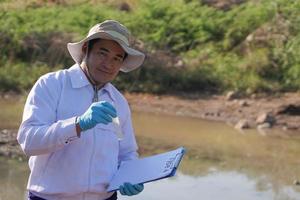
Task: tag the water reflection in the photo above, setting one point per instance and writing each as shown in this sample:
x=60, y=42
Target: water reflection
x=13, y=179
x=215, y=185
x=270, y=160
x=11, y=112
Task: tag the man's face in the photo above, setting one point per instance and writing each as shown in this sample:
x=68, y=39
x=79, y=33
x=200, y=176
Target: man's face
x=105, y=60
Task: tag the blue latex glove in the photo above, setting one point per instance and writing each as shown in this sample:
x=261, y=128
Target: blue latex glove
x=98, y=112
x=129, y=189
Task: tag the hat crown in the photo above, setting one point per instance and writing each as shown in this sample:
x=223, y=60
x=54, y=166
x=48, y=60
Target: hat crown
x=110, y=25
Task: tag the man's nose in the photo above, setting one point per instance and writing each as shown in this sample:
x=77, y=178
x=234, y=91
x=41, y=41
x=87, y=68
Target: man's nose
x=107, y=62
x=111, y=60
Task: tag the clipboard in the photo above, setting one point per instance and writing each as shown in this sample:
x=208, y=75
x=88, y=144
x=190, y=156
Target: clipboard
x=147, y=169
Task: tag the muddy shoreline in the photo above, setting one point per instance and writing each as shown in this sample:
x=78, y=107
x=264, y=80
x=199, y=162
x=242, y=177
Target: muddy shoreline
x=280, y=111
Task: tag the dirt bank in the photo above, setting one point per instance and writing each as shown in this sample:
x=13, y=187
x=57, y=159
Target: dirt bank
x=280, y=111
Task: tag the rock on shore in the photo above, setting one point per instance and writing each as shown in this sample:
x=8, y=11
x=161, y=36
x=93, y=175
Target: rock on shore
x=9, y=146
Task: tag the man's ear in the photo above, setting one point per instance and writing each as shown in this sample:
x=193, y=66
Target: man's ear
x=84, y=48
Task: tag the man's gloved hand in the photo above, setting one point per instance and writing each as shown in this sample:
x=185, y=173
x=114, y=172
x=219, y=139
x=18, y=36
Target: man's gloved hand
x=129, y=189
x=98, y=112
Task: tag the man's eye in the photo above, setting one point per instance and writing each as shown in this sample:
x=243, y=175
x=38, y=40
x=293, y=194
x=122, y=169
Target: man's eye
x=118, y=59
x=102, y=53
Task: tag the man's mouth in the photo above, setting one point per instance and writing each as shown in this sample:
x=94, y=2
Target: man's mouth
x=104, y=71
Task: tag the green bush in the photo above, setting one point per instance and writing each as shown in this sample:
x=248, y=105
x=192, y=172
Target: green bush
x=243, y=20
x=214, y=44
x=20, y=76
x=175, y=25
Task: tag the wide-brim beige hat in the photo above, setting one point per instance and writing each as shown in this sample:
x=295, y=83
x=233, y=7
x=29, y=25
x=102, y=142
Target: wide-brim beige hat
x=110, y=30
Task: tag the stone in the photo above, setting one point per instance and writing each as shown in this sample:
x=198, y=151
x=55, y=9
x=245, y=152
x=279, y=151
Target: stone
x=249, y=38
x=4, y=131
x=243, y=103
x=290, y=127
x=231, y=95
x=242, y=124
x=179, y=64
x=296, y=182
x=264, y=125
x=265, y=118
x=290, y=109
x=253, y=96
x=285, y=128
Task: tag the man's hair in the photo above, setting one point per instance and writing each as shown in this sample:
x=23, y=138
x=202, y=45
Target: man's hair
x=92, y=42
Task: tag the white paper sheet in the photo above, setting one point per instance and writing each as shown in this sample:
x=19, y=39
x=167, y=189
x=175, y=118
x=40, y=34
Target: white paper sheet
x=147, y=169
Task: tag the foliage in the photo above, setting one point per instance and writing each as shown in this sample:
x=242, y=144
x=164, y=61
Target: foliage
x=20, y=76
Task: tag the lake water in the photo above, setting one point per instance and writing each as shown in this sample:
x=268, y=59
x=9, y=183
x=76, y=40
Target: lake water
x=221, y=162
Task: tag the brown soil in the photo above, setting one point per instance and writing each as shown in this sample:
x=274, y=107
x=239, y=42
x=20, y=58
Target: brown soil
x=283, y=108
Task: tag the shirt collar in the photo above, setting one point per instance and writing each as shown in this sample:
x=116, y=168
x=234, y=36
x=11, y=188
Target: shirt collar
x=79, y=79
x=108, y=87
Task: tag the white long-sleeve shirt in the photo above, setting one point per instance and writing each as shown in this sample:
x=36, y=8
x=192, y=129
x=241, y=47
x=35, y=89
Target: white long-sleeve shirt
x=62, y=165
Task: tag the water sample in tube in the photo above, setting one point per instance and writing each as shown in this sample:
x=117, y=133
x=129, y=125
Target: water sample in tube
x=118, y=128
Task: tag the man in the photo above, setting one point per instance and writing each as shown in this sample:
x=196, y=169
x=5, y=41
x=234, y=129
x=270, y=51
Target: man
x=67, y=127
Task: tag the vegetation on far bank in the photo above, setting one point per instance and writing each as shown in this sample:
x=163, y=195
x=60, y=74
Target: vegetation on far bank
x=191, y=45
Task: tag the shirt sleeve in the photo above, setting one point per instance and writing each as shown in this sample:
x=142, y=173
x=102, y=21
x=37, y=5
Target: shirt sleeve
x=40, y=132
x=128, y=146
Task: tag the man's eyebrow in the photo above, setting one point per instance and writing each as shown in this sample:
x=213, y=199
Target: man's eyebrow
x=106, y=50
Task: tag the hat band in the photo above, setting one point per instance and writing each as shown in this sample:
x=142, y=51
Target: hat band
x=118, y=35
x=115, y=35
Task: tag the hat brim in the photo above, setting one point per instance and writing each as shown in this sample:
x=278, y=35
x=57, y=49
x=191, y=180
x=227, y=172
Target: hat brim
x=133, y=60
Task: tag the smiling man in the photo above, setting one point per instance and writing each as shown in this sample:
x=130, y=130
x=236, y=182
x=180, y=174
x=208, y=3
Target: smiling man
x=103, y=60
x=67, y=127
